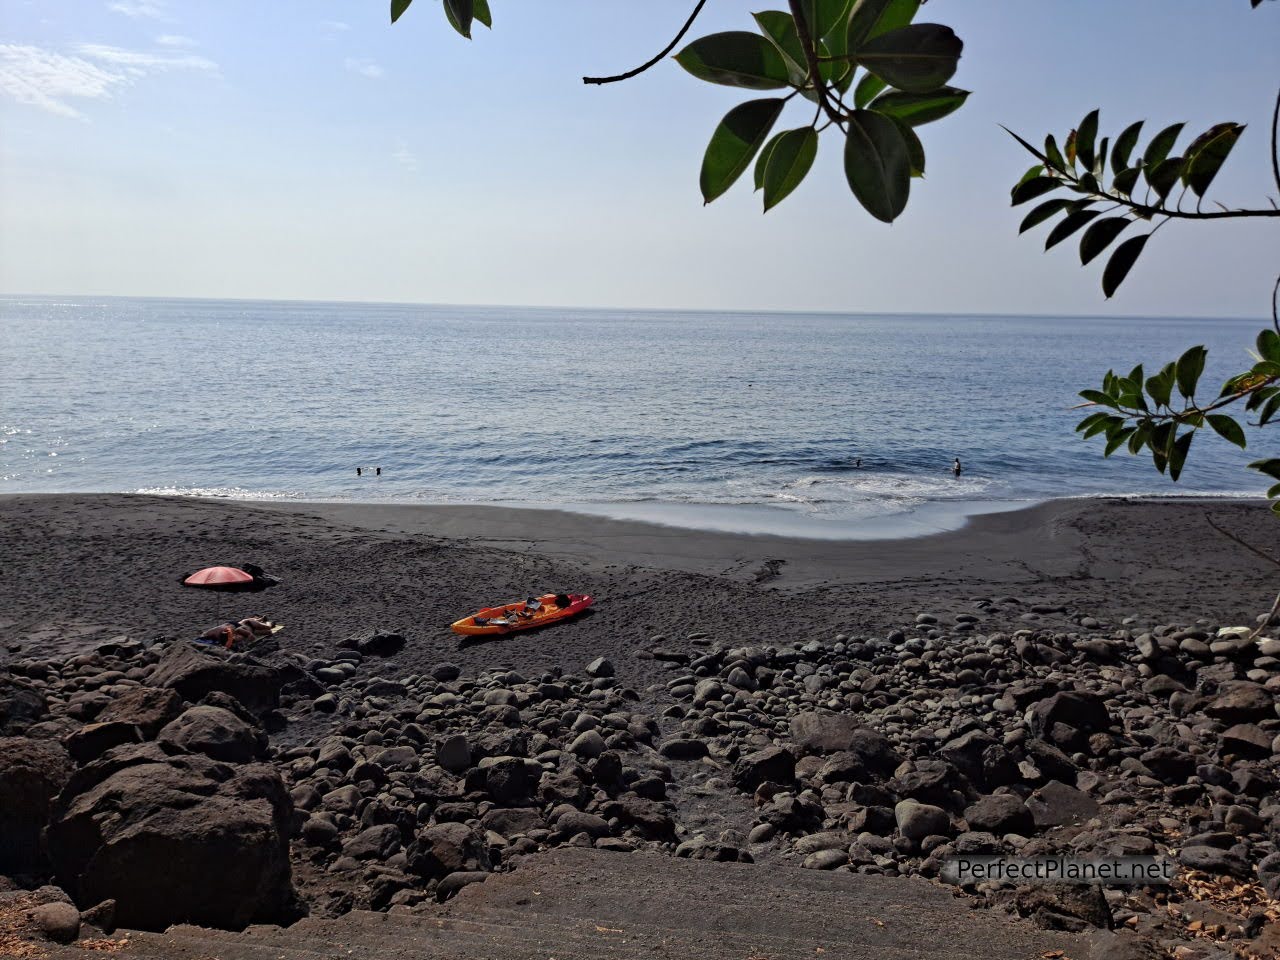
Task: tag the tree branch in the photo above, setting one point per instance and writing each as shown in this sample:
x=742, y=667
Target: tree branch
x=1275, y=141
x=811, y=55
x=669, y=47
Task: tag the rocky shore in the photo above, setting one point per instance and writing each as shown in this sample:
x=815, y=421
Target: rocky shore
x=146, y=781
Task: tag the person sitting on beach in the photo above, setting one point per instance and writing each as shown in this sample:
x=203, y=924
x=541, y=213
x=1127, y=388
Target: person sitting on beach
x=246, y=630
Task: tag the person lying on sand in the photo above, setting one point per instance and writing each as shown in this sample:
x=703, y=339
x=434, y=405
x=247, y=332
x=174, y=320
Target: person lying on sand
x=250, y=628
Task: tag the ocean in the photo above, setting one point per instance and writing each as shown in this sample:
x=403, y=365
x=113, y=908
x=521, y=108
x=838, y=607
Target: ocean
x=812, y=424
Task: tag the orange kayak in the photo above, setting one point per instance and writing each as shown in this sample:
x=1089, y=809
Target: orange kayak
x=522, y=614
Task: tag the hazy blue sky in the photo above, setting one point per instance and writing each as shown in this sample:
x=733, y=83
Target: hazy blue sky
x=307, y=149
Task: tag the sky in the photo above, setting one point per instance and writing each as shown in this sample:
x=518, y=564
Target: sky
x=307, y=149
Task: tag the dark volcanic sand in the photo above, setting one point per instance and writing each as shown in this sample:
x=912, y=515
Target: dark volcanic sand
x=81, y=568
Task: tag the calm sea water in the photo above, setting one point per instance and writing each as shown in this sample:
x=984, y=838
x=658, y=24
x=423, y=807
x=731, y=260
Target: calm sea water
x=614, y=411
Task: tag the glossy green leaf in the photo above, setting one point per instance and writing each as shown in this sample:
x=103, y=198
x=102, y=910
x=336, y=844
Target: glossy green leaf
x=867, y=89
x=1118, y=439
x=1189, y=367
x=1043, y=212
x=1270, y=467
x=1100, y=235
x=916, y=109
x=877, y=165
x=1125, y=143
x=736, y=59
x=1090, y=420
x=1121, y=262
x=780, y=28
x=788, y=163
x=1269, y=410
x=398, y=7
x=1034, y=187
x=1085, y=135
x=1126, y=180
x=1165, y=175
x=1268, y=344
x=735, y=142
x=1103, y=426
x=1067, y=226
x=762, y=160
x=915, y=149
x=482, y=13
x=1178, y=456
x=1227, y=428
x=871, y=18
x=1097, y=396
x=1207, y=153
x=1160, y=146
x=917, y=58
x=461, y=13
x=824, y=16
x=1053, y=156
x=1160, y=386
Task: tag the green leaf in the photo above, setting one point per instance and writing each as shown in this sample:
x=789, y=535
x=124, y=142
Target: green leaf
x=1227, y=428
x=1270, y=467
x=788, y=162
x=734, y=144
x=1207, y=153
x=1141, y=437
x=460, y=13
x=1053, y=156
x=1042, y=212
x=736, y=59
x=918, y=58
x=1085, y=135
x=877, y=165
x=1273, y=492
x=482, y=13
x=398, y=7
x=1124, y=147
x=781, y=29
x=1097, y=396
x=1026, y=146
x=1105, y=425
x=915, y=149
x=916, y=109
x=762, y=161
x=1116, y=440
x=823, y=16
x=1090, y=420
x=1268, y=344
x=1269, y=411
x=1121, y=262
x=867, y=89
x=1160, y=146
x=1163, y=177
x=1100, y=235
x=1160, y=386
x=1189, y=367
x=1067, y=226
x=1032, y=188
x=1125, y=180
x=871, y=18
x=1069, y=148
x=1178, y=456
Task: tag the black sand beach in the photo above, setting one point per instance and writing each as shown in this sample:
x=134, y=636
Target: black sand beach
x=79, y=568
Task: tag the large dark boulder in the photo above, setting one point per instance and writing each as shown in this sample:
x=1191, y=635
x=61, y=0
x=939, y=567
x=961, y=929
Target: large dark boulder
x=445, y=848
x=32, y=772
x=195, y=672
x=772, y=764
x=376, y=643
x=1085, y=712
x=182, y=839
x=21, y=705
x=147, y=708
x=1240, y=701
x=214, y=732
x=815, y=732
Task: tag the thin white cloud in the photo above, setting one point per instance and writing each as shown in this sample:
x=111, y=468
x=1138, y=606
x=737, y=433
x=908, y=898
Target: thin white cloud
x=176, y=40
x=405, y=157
x=366, y=68
x=140, y=9
x=51, y=81
x=140, y=63
x=44, y=79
